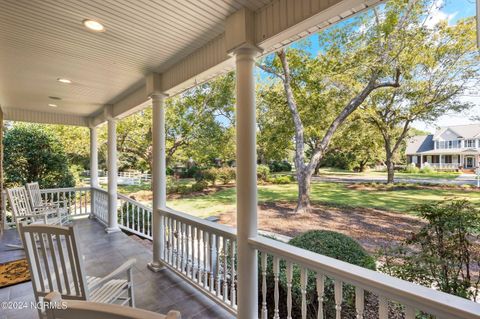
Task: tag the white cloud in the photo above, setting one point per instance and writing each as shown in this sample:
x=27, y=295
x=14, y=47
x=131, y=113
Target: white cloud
x=437, y=15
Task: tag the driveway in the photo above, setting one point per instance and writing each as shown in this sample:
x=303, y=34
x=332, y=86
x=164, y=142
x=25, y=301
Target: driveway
x=463, y=179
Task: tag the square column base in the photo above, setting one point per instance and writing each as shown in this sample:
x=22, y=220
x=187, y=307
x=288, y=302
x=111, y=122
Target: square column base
x=155, y=266
x=110, y=230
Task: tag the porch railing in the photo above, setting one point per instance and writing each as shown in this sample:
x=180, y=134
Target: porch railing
x=280, y=262
x=452, y=166
x=204, y=254
x=134, y=217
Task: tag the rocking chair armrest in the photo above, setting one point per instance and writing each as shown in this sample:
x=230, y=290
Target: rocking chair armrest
x=126, y=266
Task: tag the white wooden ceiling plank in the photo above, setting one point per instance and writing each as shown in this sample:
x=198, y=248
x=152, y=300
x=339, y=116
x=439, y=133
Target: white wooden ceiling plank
x=119, y=27
x=67, y=33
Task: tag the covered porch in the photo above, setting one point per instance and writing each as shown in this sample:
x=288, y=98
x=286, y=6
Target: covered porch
x=92, y=77
x=159, y=292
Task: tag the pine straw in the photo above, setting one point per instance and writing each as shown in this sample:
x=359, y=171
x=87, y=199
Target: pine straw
x=372, y=228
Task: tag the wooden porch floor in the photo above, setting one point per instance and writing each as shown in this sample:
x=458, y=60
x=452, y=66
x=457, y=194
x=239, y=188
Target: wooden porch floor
x=103, y=252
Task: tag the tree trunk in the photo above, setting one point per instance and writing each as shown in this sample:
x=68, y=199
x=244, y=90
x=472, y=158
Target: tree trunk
x=303, y=178
x=390, y=170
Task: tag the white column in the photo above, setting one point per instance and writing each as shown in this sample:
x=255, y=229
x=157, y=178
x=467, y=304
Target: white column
x=246, y=184
x=93, y=157
x=159, y=180
x=112, y=176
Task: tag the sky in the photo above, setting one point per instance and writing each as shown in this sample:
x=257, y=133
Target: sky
x=451, y=10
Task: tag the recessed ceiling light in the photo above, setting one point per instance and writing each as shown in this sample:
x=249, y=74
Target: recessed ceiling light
x=93, y=25
x=52, y=105
x=63, y=80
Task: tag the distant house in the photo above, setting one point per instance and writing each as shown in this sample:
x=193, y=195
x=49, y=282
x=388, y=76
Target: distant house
x=450, y=148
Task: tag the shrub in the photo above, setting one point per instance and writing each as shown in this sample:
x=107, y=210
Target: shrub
x=210, y=175
x=189, y=172
x=283, y=179
x=427, y=170
x=226, y=174
x=280, y=166
x=334, y=245
x=183, y=189
x=34, y=154
x=444, y=250
x=327, y=243
x=411, y=169
x=199, y=186
x=263, y=172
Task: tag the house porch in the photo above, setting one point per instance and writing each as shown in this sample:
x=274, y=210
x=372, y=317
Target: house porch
x=154, y=291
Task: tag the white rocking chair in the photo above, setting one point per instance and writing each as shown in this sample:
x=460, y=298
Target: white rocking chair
x=56, y=264
x=58, y=308
x=23, y=212
x=37, y=202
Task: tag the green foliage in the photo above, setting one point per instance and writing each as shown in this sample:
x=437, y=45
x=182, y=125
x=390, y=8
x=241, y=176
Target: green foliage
x=330, y=244
x=35, y=154
x=226, y=174
x=199, y=186
x=210, y=175
x=213, y=174
x=411, y=169
x=443, y=252
x=263, y=172
x=427, y=170
x=334, y=245
x=189, y=172
x=282, y=179
x=279, y=166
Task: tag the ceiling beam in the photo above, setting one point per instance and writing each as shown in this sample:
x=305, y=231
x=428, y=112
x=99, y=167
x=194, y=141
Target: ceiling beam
x=13, y=114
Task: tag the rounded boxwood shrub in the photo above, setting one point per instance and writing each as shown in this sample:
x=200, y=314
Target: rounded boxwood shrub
x=282, y=179
x=199, y=186
x=335, y=245
x=280, y=166
x=328, y=243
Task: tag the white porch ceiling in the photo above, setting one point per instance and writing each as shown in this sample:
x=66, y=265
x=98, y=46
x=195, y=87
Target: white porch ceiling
x=42, y=40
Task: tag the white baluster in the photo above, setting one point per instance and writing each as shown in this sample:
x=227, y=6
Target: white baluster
x=179, y=245
x=264, y=285
x=276, y=292
x=303, y=290
x=233, y=292
x=217, y=263
x=211, y=262
x=320, y=293
x=338, y=298
x=225, y=269
x=128, y=207
x=359, y=302
x=189, y=253
x=205, y=259
x=382, y=307
x=199, y=256
x=289, y=289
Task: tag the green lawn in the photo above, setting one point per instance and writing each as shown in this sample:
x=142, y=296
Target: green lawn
x=328, y=193
x=343, y=173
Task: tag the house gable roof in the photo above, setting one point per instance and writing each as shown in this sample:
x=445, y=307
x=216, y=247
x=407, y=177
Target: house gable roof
x=464, y=131
x=418, y=144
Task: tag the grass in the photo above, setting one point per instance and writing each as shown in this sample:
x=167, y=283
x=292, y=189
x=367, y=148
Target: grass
x=323, y=193
x=435, y=175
